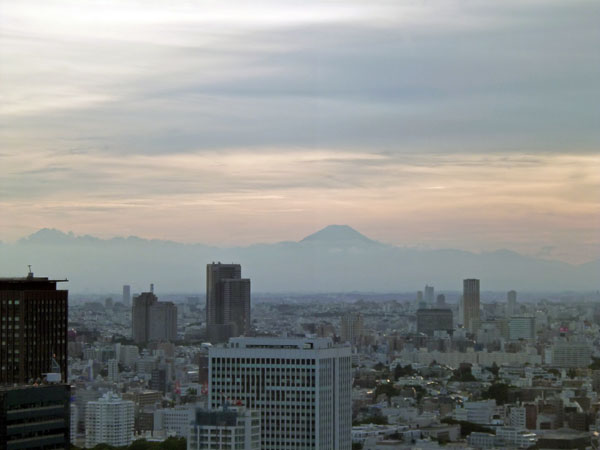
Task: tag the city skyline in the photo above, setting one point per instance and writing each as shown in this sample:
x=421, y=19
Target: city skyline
x=456, y=125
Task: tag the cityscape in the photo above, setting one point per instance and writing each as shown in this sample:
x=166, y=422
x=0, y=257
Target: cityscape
x=222, y=371
x=299, y=225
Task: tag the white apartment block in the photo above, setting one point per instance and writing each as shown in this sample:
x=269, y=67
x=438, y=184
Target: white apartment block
x=113, y=370
x=74, y=415
x=521, y=327
x=514, y=437
x=517, y=417
x=175, y=420
x=302, y=388
x=571, y=354
x=109, y=420
x=479, y=440
x=480, y=412
x=128, y=355
x=224, y=429
x=454, y=359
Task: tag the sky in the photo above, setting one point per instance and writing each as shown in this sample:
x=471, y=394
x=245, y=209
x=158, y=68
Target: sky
x=436, y=124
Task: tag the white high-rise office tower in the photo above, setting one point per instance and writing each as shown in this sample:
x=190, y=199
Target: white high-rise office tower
x=109, y=420
x=301, y=386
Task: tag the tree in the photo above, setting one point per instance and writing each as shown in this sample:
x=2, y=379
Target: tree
x=380, y=366
x=466, y=428
x=595, y=365
x=375, y=419
x=388, y=389
x=463, y=374
x=497, y=391
x=405, y=371
x=494, y=369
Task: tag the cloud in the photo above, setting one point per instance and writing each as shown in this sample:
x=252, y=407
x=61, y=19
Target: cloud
x=449, y=123
x=508, y=76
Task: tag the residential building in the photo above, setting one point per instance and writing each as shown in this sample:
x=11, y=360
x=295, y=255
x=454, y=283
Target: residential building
x=300, y=386
x=109, y=420
x=571, y=354
x=521, y=327
x=351, y=329
x=431, y=320
x=153, y=320
x=227, y=302
x=113, y=370
x=513, y=437
x=480, y=412
x=174, y=420
x=227, y=428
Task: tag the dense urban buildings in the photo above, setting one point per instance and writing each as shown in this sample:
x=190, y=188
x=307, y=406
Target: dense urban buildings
x=410, y=369
x=35, y=417
x=301, y=386
x=471, y=307
x=33, y=333
x=153, y=321
x=227, y=302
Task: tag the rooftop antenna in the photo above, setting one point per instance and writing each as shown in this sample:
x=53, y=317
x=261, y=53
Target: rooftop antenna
x=30, y=274
x=54, y=376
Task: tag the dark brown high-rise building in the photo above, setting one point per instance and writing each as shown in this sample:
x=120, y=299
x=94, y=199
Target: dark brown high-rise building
x=227, y=302
x=33, y=328
x=153, y=321
x=471, y=312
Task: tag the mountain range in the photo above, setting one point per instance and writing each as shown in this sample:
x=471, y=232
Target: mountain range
x=334, y=259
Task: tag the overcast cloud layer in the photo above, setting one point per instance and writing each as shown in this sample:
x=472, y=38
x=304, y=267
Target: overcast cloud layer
x=445, y=124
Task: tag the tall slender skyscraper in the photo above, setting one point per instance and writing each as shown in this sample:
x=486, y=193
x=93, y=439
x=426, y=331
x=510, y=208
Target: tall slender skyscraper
x=227, y=302
x=126, y=294
x=33, y=332
x=511, y=300
x=471, y=304
x=429, y=294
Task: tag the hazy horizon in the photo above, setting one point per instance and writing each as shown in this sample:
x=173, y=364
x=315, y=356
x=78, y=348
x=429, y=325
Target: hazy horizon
x=71, y=234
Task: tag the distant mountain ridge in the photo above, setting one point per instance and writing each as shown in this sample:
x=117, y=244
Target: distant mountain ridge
x=334, y=259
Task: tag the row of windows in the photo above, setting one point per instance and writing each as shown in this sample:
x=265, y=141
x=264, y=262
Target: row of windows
x=288, y=361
